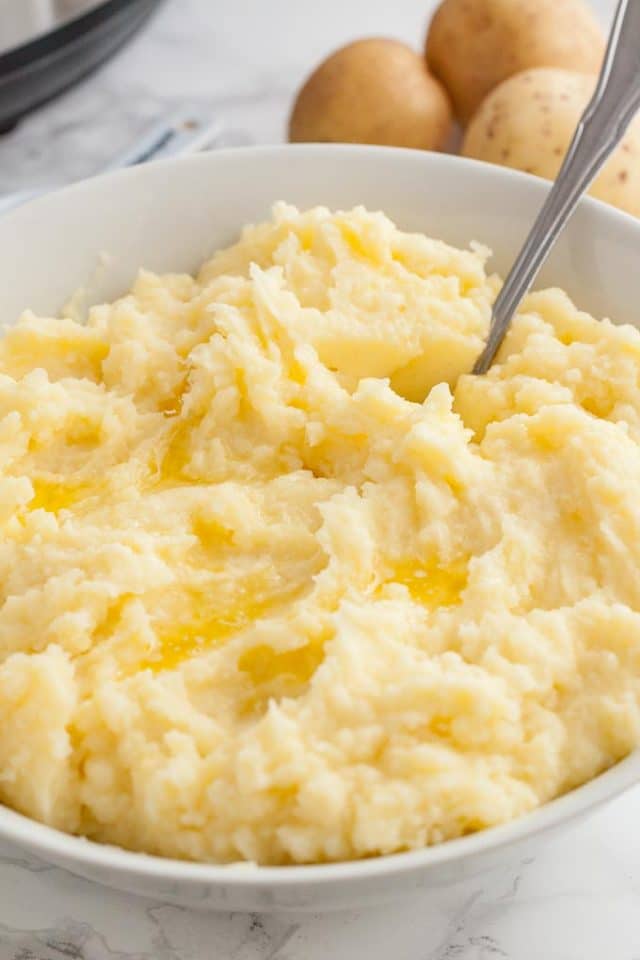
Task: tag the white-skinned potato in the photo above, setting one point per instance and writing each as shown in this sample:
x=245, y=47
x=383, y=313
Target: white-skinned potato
x=375, y=90
x=528, y=121
x=473, y=45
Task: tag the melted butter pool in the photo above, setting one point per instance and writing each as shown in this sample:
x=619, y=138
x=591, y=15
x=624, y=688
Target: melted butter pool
x=275, y=674
x=263, y=664
x=183, y=641
x=433, y=585
x=205, y=632
x=56, y=495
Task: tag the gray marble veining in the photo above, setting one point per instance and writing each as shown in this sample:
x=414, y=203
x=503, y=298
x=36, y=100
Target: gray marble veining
x=580, y=898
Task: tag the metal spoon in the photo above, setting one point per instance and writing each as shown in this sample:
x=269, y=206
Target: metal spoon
x=601, y=127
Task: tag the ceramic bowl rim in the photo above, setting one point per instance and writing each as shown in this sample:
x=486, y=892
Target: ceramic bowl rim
x=48, y=842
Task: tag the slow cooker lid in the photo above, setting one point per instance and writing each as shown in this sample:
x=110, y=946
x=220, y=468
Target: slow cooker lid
x=22, y=21
x=53, y=57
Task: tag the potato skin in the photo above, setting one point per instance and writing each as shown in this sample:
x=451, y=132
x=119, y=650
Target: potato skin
x=473, y=45
x=528, y=121
x=377, y=91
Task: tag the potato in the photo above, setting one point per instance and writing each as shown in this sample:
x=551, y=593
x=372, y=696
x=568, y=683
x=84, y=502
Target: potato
x=373, y=91
x=473, y=45
x=528, y=121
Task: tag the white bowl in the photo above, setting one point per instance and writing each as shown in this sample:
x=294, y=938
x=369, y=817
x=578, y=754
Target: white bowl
x=170, y=216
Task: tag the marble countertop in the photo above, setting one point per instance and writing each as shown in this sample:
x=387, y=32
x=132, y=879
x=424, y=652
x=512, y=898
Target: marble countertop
x=579, y=899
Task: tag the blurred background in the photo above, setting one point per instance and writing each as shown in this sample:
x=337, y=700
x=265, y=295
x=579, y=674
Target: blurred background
x=239, y=60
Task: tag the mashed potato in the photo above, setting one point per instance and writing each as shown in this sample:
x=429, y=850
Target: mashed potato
x=279, y=584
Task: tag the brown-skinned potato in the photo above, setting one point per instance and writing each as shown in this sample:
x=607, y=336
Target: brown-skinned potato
x=373, y=91
x=473, y=45
x=528, y=121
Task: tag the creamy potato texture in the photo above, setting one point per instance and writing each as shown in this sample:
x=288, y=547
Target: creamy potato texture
x=281, y=583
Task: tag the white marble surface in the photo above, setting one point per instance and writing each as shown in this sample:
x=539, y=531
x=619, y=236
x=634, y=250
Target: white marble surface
x=580, y=899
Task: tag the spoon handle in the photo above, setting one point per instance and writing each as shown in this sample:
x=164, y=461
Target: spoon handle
x=612, y=107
